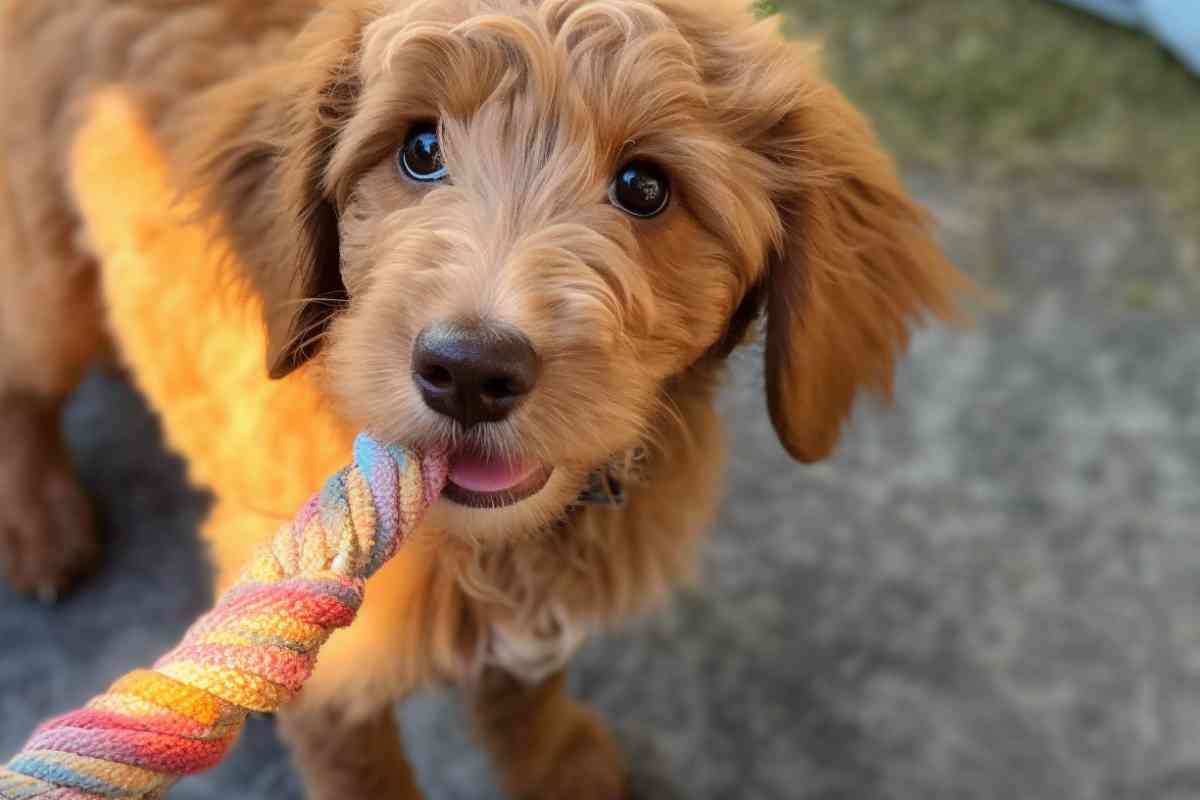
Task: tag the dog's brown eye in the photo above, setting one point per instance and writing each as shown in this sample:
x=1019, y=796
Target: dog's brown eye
x=421, y=156
x=640, y=188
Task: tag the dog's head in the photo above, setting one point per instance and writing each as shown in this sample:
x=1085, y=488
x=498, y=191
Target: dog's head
x=516, y=223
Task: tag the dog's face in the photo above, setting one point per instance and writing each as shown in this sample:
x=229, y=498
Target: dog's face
x=523, y=221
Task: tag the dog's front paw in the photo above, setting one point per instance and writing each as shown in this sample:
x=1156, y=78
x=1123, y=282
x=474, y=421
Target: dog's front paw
x=585, y=764
x=47, y=530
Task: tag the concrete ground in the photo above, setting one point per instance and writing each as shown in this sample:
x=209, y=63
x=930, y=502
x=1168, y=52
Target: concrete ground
x=990, y=593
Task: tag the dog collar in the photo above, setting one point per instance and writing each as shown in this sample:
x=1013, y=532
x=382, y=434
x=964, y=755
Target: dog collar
x=603, y=489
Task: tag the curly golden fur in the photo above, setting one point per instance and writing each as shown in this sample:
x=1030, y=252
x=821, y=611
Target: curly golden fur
x=284, y=117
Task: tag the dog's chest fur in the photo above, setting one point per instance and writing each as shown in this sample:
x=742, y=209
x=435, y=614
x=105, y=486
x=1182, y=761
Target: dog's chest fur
x=535, y=648
x=537, y=601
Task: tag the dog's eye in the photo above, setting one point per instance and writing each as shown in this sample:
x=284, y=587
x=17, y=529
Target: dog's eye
x=420, y=158
x=640, y=188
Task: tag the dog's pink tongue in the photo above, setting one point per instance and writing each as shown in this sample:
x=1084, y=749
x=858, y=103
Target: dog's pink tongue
x=477, y=473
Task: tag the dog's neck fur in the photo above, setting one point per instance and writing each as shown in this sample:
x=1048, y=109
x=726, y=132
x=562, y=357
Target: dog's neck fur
x=529, y=603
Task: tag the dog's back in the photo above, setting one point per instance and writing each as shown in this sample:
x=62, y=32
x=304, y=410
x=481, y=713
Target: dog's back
x=54, y=56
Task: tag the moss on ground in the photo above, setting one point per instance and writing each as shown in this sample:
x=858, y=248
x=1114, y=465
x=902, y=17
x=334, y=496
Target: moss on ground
x=1023, y=86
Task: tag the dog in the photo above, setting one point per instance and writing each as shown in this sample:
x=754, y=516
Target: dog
x=529, y=231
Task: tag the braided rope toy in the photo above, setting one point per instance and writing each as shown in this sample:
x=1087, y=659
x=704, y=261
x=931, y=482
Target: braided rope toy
x=251, y=653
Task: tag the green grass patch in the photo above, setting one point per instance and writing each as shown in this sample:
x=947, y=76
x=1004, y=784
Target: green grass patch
x=1020, y=86
x=1140, y=295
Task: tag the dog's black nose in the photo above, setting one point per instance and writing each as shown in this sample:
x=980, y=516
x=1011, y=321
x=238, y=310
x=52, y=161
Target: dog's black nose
x=474, y=372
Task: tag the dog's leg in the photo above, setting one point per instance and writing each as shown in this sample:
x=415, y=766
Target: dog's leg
x=51, y=330
x=342, y=758
x=546, y=745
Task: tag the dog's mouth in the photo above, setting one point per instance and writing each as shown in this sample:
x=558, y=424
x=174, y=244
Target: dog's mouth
x=482, y=481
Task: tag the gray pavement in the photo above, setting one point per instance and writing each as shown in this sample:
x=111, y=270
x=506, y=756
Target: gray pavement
x=991, y=592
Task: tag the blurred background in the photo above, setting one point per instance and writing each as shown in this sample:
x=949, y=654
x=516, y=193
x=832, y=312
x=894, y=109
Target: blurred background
x=991, y=592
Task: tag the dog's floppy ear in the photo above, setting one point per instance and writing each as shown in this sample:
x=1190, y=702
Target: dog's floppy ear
x=329, y=88
x=261, y=163
x=856, y=265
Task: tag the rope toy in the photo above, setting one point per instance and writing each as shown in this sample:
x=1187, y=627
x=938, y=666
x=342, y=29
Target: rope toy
x=251, y=653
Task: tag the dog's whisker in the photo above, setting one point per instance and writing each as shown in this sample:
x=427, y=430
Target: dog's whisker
x=668, y=406
x=310, y=334
x=330, y=302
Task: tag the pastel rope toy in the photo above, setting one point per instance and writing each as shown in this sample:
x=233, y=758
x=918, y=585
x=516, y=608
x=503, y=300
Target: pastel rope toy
x=251, y=653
